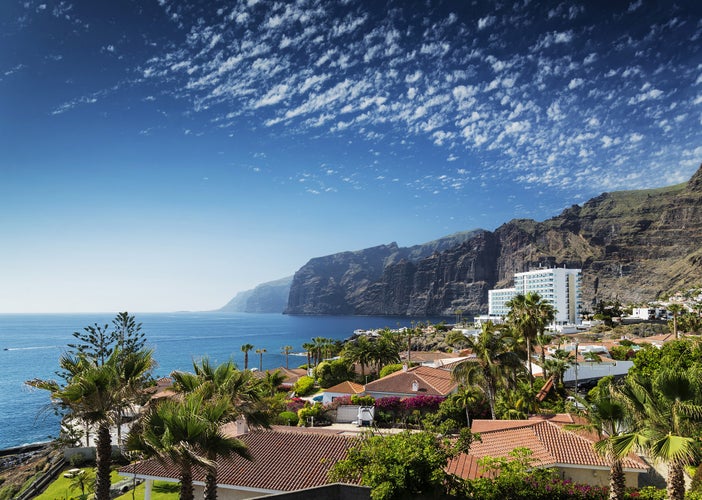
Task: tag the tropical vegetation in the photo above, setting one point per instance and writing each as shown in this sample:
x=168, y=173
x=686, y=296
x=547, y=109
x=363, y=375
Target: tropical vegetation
x=655, y=410
x=102, y=374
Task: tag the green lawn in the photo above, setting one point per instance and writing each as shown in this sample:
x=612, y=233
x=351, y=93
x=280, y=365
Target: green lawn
x=60, y=489
x=161, y=490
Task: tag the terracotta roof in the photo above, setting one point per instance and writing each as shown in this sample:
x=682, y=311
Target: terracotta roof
x=549, y=442
x=284, y=459
x=430, y=381
x=346, y=387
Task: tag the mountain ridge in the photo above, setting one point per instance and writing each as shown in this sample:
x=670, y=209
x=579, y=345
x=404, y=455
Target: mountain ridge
x=628, y=244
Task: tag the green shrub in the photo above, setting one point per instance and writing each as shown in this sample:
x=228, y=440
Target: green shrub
x=77, y=460
x=696, y=484
x=362, y=400
x=288, y=418
x=304, y=386
x=388, y=369
x=330, y=373
x=309, y=412
x=651, y=493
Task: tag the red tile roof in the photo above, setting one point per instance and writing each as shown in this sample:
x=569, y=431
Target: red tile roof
x=284, y=459
x=549, y=442
x=346, y=387
x=430, y=381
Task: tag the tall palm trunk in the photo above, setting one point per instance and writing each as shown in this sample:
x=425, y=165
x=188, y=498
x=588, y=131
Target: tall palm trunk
x=186, y=483
x=531, y=373
x=211, y=478
x=676, y=481
x=617, y=481
x=103, y=459
x=491, y=392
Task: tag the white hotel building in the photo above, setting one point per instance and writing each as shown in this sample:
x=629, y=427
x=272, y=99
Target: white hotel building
x=559, y=287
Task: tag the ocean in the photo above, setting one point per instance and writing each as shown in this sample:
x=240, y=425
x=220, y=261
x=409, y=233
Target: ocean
x=31, y=344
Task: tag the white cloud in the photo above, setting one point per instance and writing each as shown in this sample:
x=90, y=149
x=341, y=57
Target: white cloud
x=575, y=83
x=635, y=137
x=635, y=5
x=273, y=96
x=486, y=22
x=651, y=94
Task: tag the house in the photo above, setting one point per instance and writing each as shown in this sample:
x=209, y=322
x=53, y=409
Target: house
x=570, y=452
x=346, y=388
x=285, y=459
x=410, y=382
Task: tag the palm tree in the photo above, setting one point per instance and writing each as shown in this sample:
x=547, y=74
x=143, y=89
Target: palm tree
x=319, y=346
x=242, y=388
x=286, y=351
x=226, y=394
x=675, y=309
x=662, y=411
x=467, y=398
x=216, y=411
x=95, y=393
x=530, y=315
x=260, y=358
x=487, y=370
x=172, y=432
x=272, y=381
x=607, y=417
x=245, y=349
x=359, y=351
x=557, y=365
x=133, y=371
x=384, y=350
x=309, y=349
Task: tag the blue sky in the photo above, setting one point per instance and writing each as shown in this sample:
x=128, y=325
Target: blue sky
x=163, y=155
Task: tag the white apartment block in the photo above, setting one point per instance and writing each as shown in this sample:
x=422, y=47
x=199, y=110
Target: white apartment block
x=560, y=287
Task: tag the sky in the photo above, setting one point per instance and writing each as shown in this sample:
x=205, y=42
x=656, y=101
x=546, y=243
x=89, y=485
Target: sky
x=163, y=155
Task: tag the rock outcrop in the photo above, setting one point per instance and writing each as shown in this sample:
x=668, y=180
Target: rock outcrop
x=270, y=297
x=631, y=245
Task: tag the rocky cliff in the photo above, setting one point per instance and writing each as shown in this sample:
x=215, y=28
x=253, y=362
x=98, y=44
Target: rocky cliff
x=270, y=297
x=631, y=245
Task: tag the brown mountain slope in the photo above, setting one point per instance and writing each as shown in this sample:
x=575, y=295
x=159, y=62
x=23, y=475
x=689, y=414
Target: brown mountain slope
x=633, y=245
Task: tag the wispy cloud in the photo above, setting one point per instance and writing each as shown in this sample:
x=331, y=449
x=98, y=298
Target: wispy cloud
x=545, y=99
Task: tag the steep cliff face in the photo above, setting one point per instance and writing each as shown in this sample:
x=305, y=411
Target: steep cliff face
x=336, y=284
x=632, y=245
x=271, y=297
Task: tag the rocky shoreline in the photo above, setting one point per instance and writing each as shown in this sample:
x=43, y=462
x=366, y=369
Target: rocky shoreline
x=19, y=455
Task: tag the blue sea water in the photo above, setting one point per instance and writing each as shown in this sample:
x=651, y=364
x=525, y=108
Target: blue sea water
x=31, y=344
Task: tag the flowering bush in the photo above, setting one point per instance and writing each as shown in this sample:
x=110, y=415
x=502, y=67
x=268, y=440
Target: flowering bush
x=390, y=404
x=295, y=404
x=339, y=401
x=513, y=477
x=422, y=403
